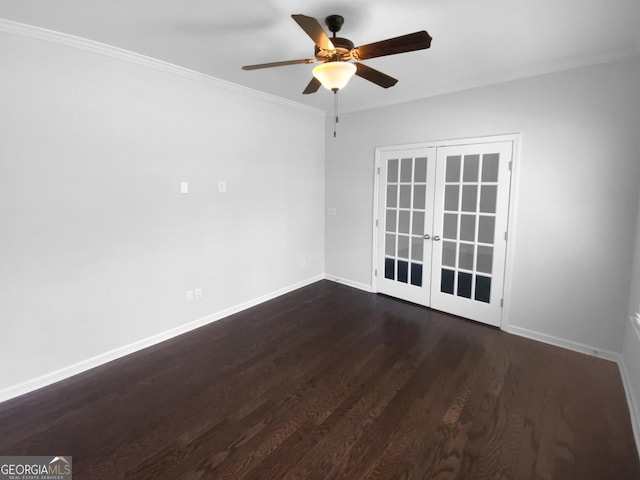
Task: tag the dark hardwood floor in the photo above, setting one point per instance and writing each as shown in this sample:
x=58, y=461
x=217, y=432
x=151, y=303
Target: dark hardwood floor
x=333, y=382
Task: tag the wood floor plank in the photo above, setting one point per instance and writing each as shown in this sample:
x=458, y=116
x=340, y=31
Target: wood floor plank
x=308, y=401
x=330, y=382
x=439, y=400
x=491, y=416
x=375, y=444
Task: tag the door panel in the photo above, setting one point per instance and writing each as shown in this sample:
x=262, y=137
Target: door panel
x=442, y=227
x=405, y=206
x=471, y=210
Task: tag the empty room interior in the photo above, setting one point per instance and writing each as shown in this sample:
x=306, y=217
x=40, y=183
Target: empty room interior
x=430, y=270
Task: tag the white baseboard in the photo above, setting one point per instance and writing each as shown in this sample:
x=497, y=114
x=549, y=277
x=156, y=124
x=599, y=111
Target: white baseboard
x=349, y=283
x=632, y=402
x=561, y=342
x=71, y=370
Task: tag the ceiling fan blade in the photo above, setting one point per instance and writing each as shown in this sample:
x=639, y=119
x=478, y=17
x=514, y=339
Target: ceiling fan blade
x=313, y=28
x=375, y=76
x=405, y=43
x=278, y=64
x=312, y=87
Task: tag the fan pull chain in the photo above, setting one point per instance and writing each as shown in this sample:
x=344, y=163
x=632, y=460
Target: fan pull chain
x=335, y=111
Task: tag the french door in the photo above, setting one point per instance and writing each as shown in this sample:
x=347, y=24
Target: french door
x=441, y=226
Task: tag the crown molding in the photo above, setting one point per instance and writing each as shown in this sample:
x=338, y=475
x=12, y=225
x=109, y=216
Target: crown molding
x=548, y=69
x=52, y=36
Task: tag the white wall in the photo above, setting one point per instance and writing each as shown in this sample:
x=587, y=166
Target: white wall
x=576, y=208
x=97, y=246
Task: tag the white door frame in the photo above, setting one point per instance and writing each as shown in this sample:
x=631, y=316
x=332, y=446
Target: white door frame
x=511, y=218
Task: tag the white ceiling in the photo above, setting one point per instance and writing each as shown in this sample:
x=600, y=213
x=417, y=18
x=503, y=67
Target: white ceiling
x=474, y=42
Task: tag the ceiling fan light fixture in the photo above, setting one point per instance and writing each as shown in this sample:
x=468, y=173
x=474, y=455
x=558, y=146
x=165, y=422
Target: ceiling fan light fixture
x=334, y=75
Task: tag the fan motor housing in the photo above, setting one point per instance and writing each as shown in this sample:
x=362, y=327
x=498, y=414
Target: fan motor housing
x=342, y=51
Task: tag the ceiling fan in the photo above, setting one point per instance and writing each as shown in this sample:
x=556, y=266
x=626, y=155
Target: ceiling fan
x=336, y=54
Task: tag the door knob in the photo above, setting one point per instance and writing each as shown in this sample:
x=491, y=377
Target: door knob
x=436, y=238
x=427, y=236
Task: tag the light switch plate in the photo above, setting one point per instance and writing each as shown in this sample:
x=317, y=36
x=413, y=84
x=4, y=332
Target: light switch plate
x=184, y=187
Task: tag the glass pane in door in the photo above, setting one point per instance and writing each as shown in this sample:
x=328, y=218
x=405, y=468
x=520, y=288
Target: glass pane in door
x=404, y=219
x=468, y=222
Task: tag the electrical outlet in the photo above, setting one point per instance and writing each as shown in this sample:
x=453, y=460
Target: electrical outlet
x=222, y=187
x=189, y=296
x=198, y=292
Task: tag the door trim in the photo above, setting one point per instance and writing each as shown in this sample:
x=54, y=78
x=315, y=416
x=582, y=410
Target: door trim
x=514, y=138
